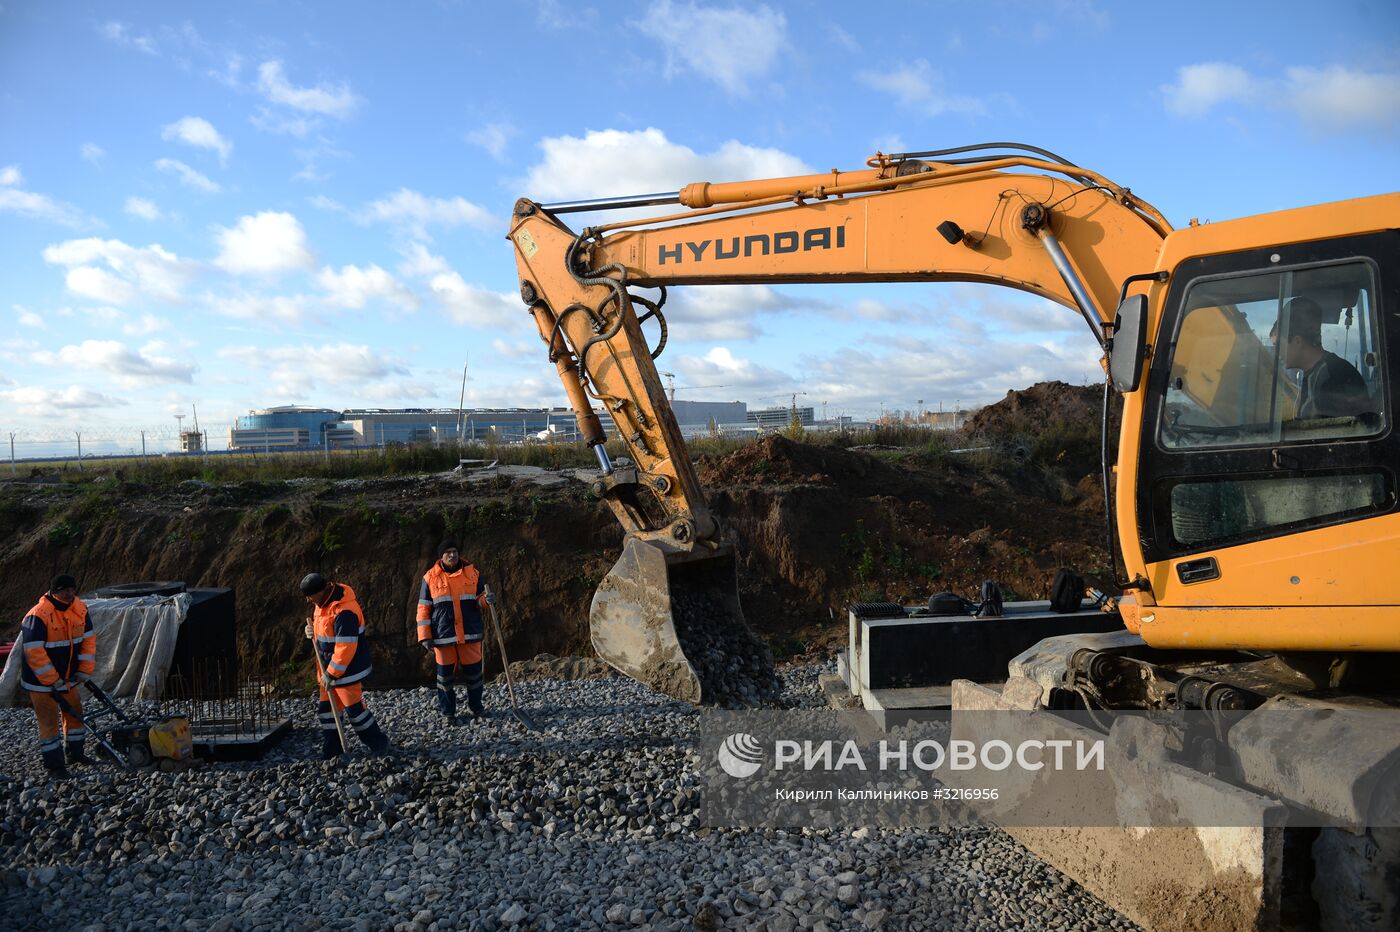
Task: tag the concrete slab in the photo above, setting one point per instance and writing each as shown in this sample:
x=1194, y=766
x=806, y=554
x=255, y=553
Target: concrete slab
x=1218, y=874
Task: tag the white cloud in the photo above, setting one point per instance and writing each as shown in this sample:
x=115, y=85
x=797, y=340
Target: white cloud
x=292, y=372
x=188, y=176
x=198, y=132
x=473, y=306
x=721, y=312
x=1325, y=98
x=146, y=325
x=269, y=121
x=100, y=285
x=46, y=401
x=889, y=144
x=1199, y=88
x=919, y=87
x=858, y=379
x=270, y=243
x=130, y=368
x=122, y=34
x=612, y=162
x=27, y=318
x=552, y=14
x=418, y=262
x=898, y=372
x=141, y=207
x=291, y=308
x=720, y=367
x=15, y=200
x=493, y=137
x=1339, y=96
x=130, y=271
x=326, y=100
x=730, y=46
x=92, y=152
x=227, y=71
x=322, y=202
x=416, y=213
x=17, y=351
x=516, y=350
x=842, y=38
x=354, y=287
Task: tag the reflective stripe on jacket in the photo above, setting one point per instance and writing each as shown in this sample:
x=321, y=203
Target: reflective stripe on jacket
x=58, y=644
x=448, y=612
x=339, y=626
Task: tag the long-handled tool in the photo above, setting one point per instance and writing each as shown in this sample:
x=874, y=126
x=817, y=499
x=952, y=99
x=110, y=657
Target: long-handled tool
x=330, y=693
x=515, y=709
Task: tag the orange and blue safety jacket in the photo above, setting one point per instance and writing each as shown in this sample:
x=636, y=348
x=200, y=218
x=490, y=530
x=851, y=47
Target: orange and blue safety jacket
x=448, y=609
x=339, y=627
x=59, y=645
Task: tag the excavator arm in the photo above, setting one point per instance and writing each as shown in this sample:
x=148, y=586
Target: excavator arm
x=1037, y=224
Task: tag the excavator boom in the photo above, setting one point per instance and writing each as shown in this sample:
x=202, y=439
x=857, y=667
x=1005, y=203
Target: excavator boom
x=1039, y=225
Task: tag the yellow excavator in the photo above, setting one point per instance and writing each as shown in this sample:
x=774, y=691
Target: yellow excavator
x=1253, y=505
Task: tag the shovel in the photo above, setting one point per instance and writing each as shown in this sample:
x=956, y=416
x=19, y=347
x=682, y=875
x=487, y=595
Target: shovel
x=515, y=709
x=330, y=693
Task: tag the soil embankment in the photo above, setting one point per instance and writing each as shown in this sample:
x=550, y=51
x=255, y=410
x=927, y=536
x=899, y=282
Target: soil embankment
x=816, y=526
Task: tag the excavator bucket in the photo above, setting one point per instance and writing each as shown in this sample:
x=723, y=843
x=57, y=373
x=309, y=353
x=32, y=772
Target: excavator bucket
x=672, y=620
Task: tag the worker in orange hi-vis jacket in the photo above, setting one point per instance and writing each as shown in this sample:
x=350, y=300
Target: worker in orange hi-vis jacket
x=449, y=624
x=60, y=651
x=338, y=627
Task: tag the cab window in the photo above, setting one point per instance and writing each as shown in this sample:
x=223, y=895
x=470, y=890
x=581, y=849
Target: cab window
x=1276, y=357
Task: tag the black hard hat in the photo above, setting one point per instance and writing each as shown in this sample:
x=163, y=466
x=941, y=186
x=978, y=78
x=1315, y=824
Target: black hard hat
x=62, y=581
x=313, y=583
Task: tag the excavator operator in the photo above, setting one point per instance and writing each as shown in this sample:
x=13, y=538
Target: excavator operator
x=1331, y=386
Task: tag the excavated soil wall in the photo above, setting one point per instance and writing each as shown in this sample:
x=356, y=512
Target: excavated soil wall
x=816, y=526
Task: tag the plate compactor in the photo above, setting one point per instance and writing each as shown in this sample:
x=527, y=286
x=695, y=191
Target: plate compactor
x=132, y=744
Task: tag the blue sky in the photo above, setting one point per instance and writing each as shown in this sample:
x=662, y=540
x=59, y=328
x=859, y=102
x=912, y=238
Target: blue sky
x=242, y=205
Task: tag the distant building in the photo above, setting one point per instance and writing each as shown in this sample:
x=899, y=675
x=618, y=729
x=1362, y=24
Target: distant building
x=297, y=427
x=191, y=441
x=701, y=413
x=780, y=418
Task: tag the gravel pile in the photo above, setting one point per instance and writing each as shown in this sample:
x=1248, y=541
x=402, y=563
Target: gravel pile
x=592, y=822
x=735, y=667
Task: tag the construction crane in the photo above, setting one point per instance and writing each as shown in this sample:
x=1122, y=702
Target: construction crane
x=791, y=396
x=672, y=387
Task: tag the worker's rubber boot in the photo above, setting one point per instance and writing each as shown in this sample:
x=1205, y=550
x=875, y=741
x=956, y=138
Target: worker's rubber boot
x=53, y=763
x=446, y=696
x=74, y=754
x=362, y=720
x=330, y=737
x=474, y=702
x=476, y=685
x=331, y=747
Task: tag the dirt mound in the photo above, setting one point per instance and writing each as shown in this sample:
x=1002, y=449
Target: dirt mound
x=1027, y=411
x=776, y=460
x=1060, y=423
